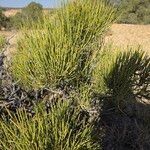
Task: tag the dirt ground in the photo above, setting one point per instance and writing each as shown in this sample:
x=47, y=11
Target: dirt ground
x=121, y=35
x=11, y=36
x=11, y=12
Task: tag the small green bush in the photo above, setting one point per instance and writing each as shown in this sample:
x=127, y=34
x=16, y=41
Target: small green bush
x=17, y=20
x=31, y=13
x=4, y=21
x=63, y=128
x=106, y=60
x=135, y=11
x=123, y=75
x=2, y=42
x=63, y=49
x=129, y=75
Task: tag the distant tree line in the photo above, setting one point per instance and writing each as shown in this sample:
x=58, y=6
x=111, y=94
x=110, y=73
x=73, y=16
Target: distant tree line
x=134, y=11
x=4, y=21
x=30, y=13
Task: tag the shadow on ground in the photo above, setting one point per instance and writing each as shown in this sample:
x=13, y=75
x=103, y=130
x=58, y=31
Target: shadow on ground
x=125, y=129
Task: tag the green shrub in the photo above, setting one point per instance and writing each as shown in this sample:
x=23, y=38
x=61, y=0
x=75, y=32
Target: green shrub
x=17, y=20
x=129, y=75
x=123, y=75
x=63, y=128
x=63, y=49
x=31, y=13
x=106, y=60
x=2, y=42
x=135, y=11
x=4, y=21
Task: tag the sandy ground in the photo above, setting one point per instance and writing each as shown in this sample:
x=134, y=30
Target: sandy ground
x=121, y=35
x=11, y=36
x=11, y=12
x=130, y=35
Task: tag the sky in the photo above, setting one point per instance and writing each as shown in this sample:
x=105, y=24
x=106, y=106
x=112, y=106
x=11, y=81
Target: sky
x=22, y=3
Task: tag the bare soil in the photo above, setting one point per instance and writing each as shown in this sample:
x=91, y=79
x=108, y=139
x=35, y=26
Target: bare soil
x=11, y=12
x=124, y=35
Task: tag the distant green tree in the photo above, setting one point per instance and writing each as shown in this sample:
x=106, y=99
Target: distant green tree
x=135, y=11
x=4, y=21
x=33, y=11
x=17, y=20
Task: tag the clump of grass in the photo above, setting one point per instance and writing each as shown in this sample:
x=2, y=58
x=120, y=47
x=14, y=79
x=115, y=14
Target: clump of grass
x=63, y=49
x=105, y=62
x=122, y=74
x=128, y=76
x=122, y=77
x=63, y=128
